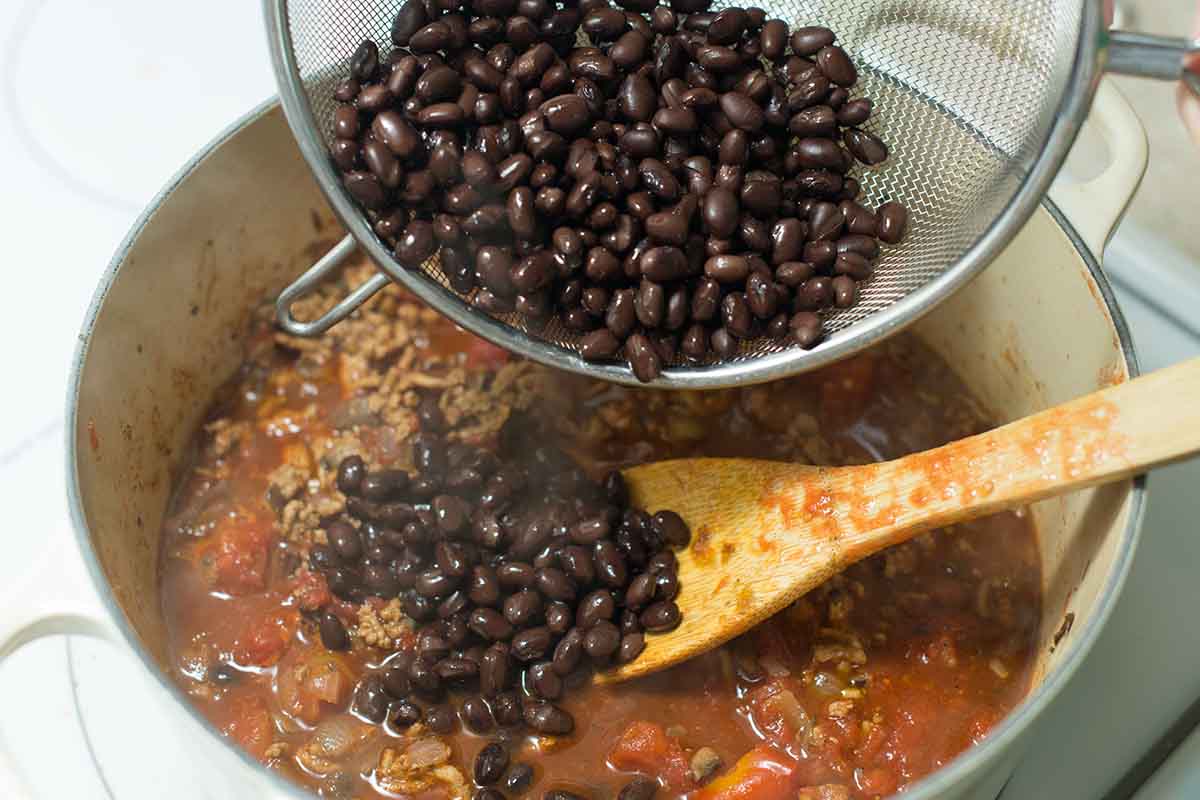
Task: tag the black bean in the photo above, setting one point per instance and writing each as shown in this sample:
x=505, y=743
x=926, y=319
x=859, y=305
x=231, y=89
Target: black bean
x=806, y=328
x=666, y=584
x=576, y=562
x=640, y=591
x=568, y=652
x=489, y=624
x=365, y=61
x=344, y=540
x=820, y=255
x=639, y=788
x=490, y=763
x=523, y=608
x=477, y=715
x=519, y=778
x=549, y=719
x=506, y=709
x=599, y=345
x=515, y=574
x=483, y=587
x=661, y=617
x=808, y=40
x=542, y=681
x=637, y=100
x=395, y=679
x=852, y=264
x=610, y=564
x=632, y=645
x=406, y=714
x=643, y=358
x=595, y=606
x=742, y=111
x=601, y=641
x=621, y=315
x=837, y=66
x=441, y=719
x=370, y=699
x=893, y=220
x=418, y=607
x=487, y=793
x=495, y=670
x=558, y=617
x=457, y=670
x=333, y=632
x=866, y=147
x=350, y=474
x=434, y=583
x=409, y=19
x=590, y=530
x=531, y=644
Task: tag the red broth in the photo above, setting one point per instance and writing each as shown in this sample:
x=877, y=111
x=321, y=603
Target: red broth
x=880, y=676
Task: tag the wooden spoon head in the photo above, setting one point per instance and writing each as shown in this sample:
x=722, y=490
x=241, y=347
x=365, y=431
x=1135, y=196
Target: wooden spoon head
x=753, y=551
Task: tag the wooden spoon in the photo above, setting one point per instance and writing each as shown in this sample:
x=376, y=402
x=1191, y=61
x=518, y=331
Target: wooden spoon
x=766, y=532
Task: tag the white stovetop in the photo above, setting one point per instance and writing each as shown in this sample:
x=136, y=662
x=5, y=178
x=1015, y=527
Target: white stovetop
x=99, y=104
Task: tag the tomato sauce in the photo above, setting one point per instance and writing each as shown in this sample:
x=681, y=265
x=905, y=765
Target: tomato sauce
x=882, y=675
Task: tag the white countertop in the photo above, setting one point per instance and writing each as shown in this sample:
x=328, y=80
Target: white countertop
x=79, y=164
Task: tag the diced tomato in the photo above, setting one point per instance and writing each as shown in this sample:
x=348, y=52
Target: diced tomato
x=645, y=747
x=250, y=724
x=846, y=386
x=777, y=712
x=877, y=781
x=761, y=774
x=311, y=590
x=482, y=354
x=240, y=557
x=265, y=638
x=309, y=679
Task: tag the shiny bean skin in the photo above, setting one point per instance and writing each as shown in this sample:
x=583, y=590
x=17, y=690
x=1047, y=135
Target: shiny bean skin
x=682, y=166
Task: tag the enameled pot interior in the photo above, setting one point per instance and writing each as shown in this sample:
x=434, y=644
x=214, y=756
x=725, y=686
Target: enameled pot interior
x=243, y=220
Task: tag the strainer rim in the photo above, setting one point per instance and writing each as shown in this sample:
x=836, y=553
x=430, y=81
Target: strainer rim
x=1076, y=100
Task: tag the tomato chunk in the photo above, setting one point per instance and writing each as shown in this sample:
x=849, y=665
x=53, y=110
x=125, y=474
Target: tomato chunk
x=482, y=354
x=311, y=590
x=265, y=638
x=645, y=747
x=240, y=560
x=250, y=725
x=761, y=774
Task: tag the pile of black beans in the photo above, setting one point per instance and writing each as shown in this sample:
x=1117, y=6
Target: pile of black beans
x=522, y=572
x=678, y=187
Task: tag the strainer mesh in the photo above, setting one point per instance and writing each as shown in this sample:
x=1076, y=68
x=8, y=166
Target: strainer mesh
x=965, y=92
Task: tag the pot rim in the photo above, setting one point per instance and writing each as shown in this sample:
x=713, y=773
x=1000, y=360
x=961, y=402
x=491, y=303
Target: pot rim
x=975, y=758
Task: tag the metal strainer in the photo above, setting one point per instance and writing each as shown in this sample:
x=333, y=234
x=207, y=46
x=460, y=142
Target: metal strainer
x=979, y=101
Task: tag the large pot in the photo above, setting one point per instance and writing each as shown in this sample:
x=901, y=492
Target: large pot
x=245, y=217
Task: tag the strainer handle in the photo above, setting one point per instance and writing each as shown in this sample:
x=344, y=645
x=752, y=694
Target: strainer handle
x=312, y=278
x=1095, y=206
x=1146, y=56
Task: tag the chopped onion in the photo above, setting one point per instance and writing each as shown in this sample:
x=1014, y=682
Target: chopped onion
x=337, y=736
x=427, y=752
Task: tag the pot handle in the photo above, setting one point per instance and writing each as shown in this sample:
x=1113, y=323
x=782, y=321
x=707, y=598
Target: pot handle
x=312, y=278
x=1095, y=206
x=54, y=595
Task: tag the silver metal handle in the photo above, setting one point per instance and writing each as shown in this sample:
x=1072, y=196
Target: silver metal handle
x=1145, y=56
x=311, y=279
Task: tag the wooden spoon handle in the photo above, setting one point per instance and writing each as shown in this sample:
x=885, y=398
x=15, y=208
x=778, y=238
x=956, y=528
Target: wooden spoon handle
x=1098, y=438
